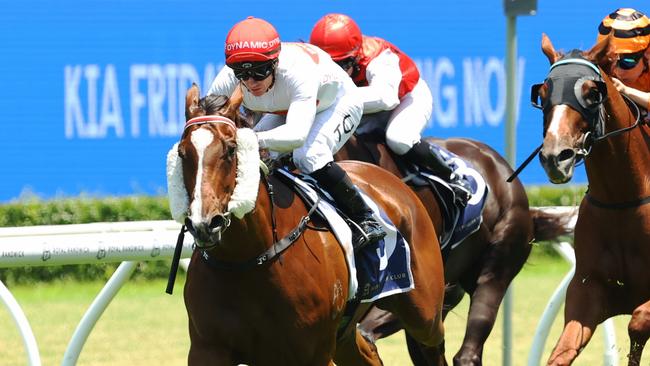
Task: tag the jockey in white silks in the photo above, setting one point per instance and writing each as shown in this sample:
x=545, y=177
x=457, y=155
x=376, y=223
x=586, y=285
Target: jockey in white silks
x=306, y=105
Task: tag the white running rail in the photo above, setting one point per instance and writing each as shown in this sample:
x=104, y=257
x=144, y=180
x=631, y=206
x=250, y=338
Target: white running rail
x=131, y=242
x=126, y=242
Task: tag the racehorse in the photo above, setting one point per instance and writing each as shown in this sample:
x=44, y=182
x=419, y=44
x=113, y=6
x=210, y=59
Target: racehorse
x=587, y=119
x=264, y=287
x=485, y=263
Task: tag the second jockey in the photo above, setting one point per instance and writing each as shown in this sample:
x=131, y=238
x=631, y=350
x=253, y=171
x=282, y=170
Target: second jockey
x=307, y=105
x=392, y=89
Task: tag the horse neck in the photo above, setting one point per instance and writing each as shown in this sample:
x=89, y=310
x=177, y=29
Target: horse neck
x=618, y=165
x=251, y=235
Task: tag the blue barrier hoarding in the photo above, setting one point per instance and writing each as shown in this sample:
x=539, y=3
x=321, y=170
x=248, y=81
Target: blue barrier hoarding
x=93, y=92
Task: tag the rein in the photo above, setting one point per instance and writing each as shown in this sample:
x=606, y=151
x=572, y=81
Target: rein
x=275, y=250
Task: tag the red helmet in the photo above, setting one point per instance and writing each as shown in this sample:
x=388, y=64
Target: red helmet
x=338, y=35
x=252, y=40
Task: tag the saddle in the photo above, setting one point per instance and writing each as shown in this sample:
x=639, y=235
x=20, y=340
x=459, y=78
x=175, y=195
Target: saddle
x=382, y=268
x=459, y=221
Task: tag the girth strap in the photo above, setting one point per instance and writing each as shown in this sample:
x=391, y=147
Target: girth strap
x=619, y=205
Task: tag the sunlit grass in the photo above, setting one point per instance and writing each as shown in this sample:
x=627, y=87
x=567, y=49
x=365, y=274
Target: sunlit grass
x=145, y=326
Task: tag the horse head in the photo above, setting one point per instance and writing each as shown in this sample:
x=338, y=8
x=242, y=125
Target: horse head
x=205, y=180
x=571, y=99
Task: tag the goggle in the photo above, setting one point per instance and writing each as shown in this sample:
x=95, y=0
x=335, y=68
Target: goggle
x=256, y=71
x=629, y=61
x=347, y=63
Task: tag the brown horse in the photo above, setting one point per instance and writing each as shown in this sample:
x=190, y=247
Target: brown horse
x=487, y=261
x=586, y=118
x=265, y=288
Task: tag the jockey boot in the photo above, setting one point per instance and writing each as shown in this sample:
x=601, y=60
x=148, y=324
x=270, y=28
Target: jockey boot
x=425, y=155
x=348, y=199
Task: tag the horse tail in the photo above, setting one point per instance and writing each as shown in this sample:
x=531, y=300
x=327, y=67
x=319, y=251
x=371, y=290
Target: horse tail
x=552, y=222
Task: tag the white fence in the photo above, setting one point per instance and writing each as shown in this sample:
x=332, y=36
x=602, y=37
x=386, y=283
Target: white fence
x=126, y=242
x=130, y=242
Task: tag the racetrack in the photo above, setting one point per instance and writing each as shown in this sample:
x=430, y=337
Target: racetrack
x=145, y=326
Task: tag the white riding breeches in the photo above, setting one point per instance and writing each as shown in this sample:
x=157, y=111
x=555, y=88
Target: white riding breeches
x=405, y=122
x=331, y=129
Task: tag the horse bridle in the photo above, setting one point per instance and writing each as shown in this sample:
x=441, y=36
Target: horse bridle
x=592, y=111
x=222, y=220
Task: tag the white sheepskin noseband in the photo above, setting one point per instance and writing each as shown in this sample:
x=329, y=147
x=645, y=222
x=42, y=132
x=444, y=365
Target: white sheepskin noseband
x=244, y=195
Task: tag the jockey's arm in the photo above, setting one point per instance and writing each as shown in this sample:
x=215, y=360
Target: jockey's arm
x=384, y=76
x=224, y=83
x=639, y=97
x=292, y=134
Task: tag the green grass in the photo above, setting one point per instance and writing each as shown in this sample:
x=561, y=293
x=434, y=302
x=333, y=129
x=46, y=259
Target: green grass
x=145, y=326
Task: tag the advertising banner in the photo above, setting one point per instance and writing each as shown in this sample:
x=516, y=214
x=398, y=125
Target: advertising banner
x=92, y=92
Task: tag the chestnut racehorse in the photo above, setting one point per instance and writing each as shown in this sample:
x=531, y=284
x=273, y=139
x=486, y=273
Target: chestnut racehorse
x=248, y=304
x=486, y=262
x=587, y=119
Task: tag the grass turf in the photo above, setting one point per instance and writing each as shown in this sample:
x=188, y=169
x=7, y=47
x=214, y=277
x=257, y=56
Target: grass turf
x=145, y=326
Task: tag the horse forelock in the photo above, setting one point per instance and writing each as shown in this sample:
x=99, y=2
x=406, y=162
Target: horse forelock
x=212, y=104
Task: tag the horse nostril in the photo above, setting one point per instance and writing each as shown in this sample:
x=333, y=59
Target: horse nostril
x=542, y=157
x=566, y=154
x=217, y=221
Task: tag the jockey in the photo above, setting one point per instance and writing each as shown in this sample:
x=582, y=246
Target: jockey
x=305, y=104
x=630, y=31
x=393, y=92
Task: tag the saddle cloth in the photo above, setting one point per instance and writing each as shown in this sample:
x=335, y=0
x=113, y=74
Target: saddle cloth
x=377, y=270
x=460, y=222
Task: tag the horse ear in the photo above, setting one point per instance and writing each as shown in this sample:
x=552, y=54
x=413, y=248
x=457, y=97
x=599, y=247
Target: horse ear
x=601, y=53
x=548, y=49
x=192, y=108
x=231, y=109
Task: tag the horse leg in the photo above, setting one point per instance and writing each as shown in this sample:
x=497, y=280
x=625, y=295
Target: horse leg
x=581, y=316
x=483, y=309
x=357, y=348
x=487, y=284
x=378, y=324
x=639, y=330
x=454, y=294
x=208, y=354
x=422, y=321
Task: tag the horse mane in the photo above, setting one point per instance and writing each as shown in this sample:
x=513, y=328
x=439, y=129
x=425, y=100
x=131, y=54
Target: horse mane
x=212, y=104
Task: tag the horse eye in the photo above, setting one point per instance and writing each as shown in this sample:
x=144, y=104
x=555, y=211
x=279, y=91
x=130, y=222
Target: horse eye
x=181, y=152
x=592, y=96
x=230, y=150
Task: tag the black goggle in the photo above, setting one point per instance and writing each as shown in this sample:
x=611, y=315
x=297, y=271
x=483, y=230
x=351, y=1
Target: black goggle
x=629, y=61
x=347, y=63
x=246, y=70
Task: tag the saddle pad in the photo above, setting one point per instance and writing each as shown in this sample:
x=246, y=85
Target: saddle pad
x=469, y=218
x=377, y=270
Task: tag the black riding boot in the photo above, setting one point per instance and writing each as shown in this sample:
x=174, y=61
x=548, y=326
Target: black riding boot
x=423, y=154
x=336, y=181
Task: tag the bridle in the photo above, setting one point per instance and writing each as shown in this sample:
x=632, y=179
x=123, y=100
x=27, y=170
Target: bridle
x=561, y=75
x=221, y=221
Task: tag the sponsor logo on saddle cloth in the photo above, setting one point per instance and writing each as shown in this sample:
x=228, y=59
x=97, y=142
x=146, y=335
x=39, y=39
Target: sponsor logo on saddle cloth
x=379, y=270
x=469, y=218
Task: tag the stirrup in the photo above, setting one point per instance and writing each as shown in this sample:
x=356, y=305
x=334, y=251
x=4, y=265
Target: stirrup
x=366, y=232
x=462, y=191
